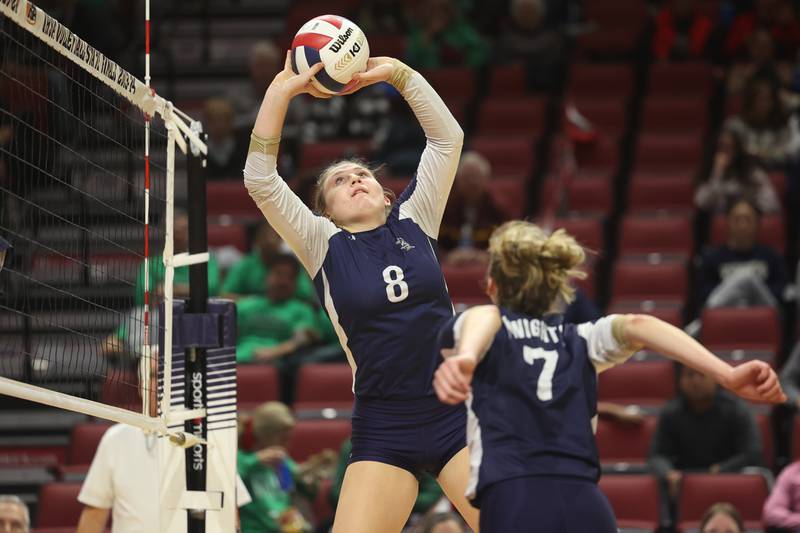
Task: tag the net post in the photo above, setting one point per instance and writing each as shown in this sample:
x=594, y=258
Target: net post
x=196, y=463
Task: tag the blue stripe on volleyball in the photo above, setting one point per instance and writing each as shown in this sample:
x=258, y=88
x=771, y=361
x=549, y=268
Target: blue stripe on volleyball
x=312, y=56
x=294, y=61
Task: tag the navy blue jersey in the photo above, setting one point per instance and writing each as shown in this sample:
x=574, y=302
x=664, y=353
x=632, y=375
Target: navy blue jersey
x=383, y=289
x=534, y=398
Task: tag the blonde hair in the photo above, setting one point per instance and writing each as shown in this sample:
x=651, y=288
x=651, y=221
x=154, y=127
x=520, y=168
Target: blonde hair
x=270, y=419
x=533, y=269
x=319, y=189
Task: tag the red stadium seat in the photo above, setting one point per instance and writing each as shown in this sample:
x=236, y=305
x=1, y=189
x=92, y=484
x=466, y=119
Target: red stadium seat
x=624, y=443
x=513, y=116
x=666, y=235
x=772, y=231
x=674, y=116
x=747, y=492
x=385, y=44
x=676, y=80
x=589, y=196
x=663, y=283
x=84, y=441
x=598, y=159
x=324, y=385
x=635, y=499
x=508, y=80
x=312, y=436
x=618, y=27
x=754, y=329
x=231, y=198
x=465, y=283
x=450, y=83
x=316, y=155
x=220, y=235
x=662, y=194
x=509, y=156
x=676, y=154
x=510, y=195
x=612, y=81
x=587, y=231
x=58, y=505
x=609, y=117
x=256, y=384
x=122, y=390
x=638, y=383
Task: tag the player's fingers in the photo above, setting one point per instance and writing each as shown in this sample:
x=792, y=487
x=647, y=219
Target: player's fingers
x=452, y=373
x=287, y=65
x=443, y=389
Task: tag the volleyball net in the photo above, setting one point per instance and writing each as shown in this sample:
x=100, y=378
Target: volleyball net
x=87, y=159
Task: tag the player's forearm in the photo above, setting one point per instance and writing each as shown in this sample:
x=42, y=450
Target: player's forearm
x=643, y=331
x=477, y=330
x=92, y=520
x=272, y=113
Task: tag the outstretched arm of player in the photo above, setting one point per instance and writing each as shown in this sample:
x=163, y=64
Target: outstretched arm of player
x=474, y=332
x=304, y=232
x=754, y=380
x=437, y=166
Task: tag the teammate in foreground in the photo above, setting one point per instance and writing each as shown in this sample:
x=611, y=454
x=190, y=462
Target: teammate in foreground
x=530, y=385
x=376, y=271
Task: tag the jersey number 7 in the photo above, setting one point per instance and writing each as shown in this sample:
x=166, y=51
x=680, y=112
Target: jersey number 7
x=544, y=386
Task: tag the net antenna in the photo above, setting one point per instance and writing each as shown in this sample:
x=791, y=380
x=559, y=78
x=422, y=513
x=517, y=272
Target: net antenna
x=35, y=79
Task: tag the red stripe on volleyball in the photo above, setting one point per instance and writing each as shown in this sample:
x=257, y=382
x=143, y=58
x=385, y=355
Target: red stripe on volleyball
x=312, y=40
x=331, y=19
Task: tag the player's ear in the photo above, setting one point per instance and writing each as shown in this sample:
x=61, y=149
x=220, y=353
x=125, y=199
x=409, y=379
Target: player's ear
x=491, y=288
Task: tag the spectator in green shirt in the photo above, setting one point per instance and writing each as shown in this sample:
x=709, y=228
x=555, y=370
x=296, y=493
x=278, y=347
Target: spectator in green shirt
x=180, y=284
x=247, y=277
x=273, y=480
x=441, y=36
x=275, y=325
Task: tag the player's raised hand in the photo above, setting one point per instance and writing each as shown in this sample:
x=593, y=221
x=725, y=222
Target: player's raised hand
x=756, y=381
x=453, y=377
x=378, y=69
x=289, y=84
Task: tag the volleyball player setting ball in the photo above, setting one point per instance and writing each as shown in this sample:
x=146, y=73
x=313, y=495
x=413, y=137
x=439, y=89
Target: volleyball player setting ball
x=375, y=270
x=529, y=381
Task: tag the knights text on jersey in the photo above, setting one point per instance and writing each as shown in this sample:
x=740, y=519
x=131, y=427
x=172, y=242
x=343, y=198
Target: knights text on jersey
x=386, y=296
x=534, y=395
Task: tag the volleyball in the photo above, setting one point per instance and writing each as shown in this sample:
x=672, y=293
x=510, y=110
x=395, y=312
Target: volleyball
x=338, y=43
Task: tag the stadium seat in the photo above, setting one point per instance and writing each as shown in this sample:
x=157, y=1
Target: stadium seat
x=315, y=155
x=656, y=194
x=58, y=505
x=674, y=116
x=674, y=154
x=509, y=156
x=312, y=436
x=619, y=443
x=588, y=231
x=648, y=383
x=513, y=116
x=590, y=196
x=617, y=28
x=122, y=390
x=752, y=329
x=772, y=232
x=256, y=384
x=681, y=79
x=669, y=236
x=508, y=80
x=231, y=198
x=450, y=83
x=609, y=117
x=465, y=283
x=600, y=158
x=83, y=442
x=663, y=283
x=590, y=81
x=747, y=492
x=220, y=235
x=510, y=195
x=324, y=385
x=385, y=44
x=635, y=499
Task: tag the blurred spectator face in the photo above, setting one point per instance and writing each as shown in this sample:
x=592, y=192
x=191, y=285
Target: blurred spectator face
x=265, y=63
x=219, y=116
x=761, y=46
x=742, y=226
x=272, y=425
x=282, y=281
x=449, y=526
x=180, y=231
x=696, y=387
x=13, y=518
x=268, y=242
x=528, y=14
x=721, y=523
x=473, y=176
